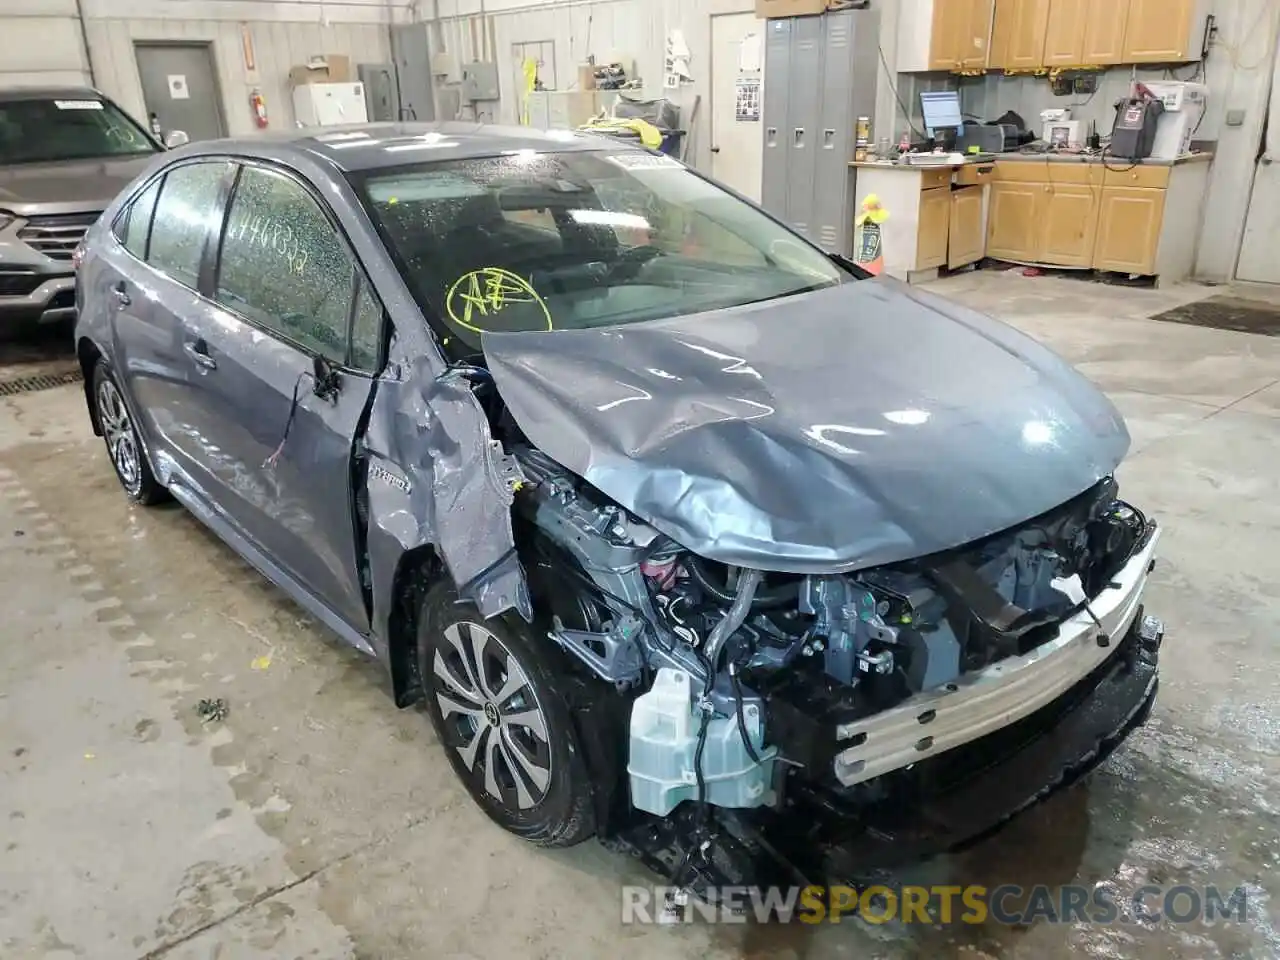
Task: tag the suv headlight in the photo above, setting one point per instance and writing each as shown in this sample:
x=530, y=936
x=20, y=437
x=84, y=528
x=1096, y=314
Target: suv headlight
x=6, y=218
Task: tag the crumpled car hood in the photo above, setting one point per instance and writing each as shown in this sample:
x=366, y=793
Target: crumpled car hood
x=854, y=426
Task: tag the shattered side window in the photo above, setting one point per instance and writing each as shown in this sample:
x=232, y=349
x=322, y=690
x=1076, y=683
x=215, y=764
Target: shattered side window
x=185, y=216
x=366, y=330
x=133, y=228
x=284, y=266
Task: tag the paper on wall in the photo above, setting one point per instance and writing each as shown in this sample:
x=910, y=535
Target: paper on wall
x=178, y=89
x=746, y=108
x=749, y=54
x=676, y=67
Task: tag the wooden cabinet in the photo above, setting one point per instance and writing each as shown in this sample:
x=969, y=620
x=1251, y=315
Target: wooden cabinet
x=944, y=34
x=1129, y=229
x=1018, y=36
x=1044, y=213
x=1138, y=220
x=934, y=231
x=966, y=243
x=976, y=41
x=937, y=216
x=1064, y=33
x=1070, y=224
x=1012, y=221
x=949, y=20
x=1164, y=31
x=1105, y=22
x=1035, y=34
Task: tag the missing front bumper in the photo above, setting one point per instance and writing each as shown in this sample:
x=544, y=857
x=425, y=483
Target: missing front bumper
x=979, y=704
x=937, y=806
x=956, y=799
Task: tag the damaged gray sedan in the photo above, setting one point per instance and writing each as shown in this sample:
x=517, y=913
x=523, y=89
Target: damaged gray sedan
x=686, y=534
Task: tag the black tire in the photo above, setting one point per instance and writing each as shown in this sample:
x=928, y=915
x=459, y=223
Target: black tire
x=124, y=445
x=551, y=811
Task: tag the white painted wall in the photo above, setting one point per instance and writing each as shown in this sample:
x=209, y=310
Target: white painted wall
x=42, y=42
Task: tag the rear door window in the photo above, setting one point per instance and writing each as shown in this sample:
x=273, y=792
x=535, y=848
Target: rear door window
x=283, y=265
x=185, y=216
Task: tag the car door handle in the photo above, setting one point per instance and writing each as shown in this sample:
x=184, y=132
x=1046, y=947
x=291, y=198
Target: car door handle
x=198, y=351
x=122, y=294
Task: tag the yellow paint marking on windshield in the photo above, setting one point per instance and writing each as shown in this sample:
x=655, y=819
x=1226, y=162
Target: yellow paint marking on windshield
x=485, y=292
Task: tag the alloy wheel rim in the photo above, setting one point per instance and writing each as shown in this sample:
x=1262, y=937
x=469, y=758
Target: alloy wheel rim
x=492, y=715
x=118, y=432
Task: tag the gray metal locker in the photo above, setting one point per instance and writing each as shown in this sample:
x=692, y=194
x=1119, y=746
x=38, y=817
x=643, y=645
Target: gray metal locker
x=804, y=86
x=850, y=61
x=826, y=67
x=773, y=111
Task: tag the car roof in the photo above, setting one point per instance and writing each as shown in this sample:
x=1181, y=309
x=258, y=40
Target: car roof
x=369, y=146
x=10, y=94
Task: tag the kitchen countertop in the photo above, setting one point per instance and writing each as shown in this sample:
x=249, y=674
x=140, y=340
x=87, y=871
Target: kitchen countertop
x=1113, y=162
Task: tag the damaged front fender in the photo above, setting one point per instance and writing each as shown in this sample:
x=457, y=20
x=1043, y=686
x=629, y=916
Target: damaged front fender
x=438, y=478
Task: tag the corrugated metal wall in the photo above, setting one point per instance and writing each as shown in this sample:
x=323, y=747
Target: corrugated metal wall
x=276, y=47
x=634, y=30
x=40, y=43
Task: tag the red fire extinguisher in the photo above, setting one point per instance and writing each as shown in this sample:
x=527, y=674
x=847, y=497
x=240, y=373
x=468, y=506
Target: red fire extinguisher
x=259, y=108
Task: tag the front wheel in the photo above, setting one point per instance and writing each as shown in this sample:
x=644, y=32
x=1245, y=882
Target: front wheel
x=496, y=701
x=124, y=446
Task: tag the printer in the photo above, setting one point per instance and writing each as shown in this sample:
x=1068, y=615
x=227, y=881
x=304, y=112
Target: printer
x=988, y=137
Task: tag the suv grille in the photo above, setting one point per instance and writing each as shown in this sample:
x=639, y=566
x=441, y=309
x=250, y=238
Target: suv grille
x=18, y=283
x=57, y=236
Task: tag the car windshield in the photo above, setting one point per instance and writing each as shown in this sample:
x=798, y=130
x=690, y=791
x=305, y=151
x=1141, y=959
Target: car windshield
x=43, y=131
x=574, y=240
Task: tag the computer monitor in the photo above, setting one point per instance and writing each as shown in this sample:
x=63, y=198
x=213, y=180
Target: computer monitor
x=941, y=109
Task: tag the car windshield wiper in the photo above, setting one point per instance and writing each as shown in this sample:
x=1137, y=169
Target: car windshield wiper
x=808, y=288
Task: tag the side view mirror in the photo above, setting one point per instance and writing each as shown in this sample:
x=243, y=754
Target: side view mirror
x=326, y=381
x=176, y=138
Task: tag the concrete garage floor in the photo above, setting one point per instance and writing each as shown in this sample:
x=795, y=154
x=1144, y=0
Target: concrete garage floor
x=319, y=822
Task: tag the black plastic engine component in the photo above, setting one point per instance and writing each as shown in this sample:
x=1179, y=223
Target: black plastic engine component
x=766, y=598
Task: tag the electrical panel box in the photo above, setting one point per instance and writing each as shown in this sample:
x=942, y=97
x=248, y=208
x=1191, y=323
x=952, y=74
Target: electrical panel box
x=415, y=86
x=380, y=90
x=480, y=81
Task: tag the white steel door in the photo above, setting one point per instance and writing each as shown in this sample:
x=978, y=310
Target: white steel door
x=737, y=86
x=1258, y=260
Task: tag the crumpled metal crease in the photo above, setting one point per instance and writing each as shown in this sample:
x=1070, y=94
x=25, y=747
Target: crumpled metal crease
x=854, y=426
x=459, y=487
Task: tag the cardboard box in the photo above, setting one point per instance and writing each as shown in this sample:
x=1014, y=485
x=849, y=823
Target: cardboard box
x=329, y=68
x=789, y=8
x=586, y=76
